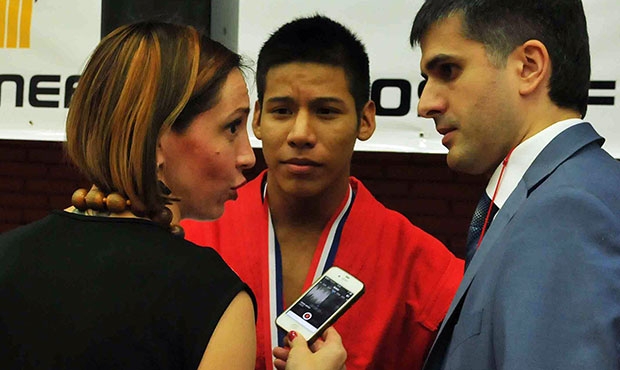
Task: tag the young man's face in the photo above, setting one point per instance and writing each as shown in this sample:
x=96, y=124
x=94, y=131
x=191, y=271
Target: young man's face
x=308, y=126
x=473, y=103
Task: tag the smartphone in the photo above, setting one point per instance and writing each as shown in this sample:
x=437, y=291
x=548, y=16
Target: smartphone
x=322, y=304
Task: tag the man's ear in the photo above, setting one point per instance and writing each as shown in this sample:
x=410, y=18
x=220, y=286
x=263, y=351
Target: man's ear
x=535, y=66
x=256, y=120
x=367, y=123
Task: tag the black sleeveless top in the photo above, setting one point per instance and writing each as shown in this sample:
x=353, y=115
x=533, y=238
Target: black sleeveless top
x=84, y=292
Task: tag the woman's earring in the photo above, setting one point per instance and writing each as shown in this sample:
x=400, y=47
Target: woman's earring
x=163, y=188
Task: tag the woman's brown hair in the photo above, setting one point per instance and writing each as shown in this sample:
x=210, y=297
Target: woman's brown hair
x=142, y=80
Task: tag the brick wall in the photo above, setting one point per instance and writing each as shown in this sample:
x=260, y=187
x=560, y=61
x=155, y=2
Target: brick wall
x=35, y=177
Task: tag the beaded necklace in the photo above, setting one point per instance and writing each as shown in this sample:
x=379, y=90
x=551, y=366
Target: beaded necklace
x=95, y=203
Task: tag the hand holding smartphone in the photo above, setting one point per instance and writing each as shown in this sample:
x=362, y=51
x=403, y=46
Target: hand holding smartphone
x=322, y=304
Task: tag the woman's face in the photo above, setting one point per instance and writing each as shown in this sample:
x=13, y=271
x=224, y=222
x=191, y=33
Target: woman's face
x=203, y=165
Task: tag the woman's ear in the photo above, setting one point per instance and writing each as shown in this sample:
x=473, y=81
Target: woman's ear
x=159, y=156
x=159, y=159
x=368, y=121
x=535, y=66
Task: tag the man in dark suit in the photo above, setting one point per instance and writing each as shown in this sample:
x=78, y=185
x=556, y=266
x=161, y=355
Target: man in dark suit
x=507, y=86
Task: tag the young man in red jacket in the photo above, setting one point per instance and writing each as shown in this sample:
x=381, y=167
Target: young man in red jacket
x=306, y=213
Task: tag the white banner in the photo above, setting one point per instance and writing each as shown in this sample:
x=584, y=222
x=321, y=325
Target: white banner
x=44, y=45
x=41, y=58
x=384, y=28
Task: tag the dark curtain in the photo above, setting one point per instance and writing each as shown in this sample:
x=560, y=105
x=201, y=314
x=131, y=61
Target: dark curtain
x=118, y=12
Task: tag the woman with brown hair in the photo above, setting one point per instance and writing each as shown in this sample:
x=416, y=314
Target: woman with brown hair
x=157, y=124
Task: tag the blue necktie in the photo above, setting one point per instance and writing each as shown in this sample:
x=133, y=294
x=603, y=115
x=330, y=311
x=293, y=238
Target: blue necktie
x=477, y=223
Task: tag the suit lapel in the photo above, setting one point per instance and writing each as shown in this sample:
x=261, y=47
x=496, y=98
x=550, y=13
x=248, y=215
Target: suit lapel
x=437, y=352
x=504, y=215
x=558, y=151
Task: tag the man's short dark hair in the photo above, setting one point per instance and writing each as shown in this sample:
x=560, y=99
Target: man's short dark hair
x=503, y=25
x=317, y=39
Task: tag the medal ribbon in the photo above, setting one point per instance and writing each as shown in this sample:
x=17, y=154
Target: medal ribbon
x=323, y=259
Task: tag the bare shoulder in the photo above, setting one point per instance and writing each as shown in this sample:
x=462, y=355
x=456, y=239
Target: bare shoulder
x=233, y=343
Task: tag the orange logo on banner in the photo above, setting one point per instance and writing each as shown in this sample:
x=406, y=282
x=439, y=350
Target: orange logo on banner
x=15, y=22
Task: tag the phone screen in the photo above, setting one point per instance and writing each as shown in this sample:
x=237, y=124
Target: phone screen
x=319, y=304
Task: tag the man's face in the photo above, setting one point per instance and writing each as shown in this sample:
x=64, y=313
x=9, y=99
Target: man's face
x=308, y=126
x=473, y=103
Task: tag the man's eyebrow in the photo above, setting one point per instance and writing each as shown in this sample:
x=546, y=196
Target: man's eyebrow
x=280, y=99
x=319, y=100
x=327, y=99
x=437, y=59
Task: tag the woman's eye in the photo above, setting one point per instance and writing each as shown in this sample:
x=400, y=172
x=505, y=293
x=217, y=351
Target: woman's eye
x=234, y=126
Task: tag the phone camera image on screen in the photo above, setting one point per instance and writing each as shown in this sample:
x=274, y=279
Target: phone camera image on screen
x=321, y=302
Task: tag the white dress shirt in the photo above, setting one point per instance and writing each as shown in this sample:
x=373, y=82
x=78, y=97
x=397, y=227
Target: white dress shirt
x=521, y=159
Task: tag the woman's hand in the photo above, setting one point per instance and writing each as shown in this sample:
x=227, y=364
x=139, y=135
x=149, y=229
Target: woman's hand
x=326, y=353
